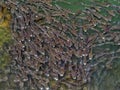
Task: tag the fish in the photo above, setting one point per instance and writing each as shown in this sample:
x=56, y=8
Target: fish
x=91, y=54
x=97, y=8
x=111, y=12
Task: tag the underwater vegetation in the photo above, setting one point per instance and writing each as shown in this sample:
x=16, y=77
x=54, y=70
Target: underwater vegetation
x=56, y=49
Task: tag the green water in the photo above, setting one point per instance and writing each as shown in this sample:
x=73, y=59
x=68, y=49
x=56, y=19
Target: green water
x=75, y=5
x=105, y=79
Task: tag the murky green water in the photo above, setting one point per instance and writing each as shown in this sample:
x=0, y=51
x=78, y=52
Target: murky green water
x=103, y=79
